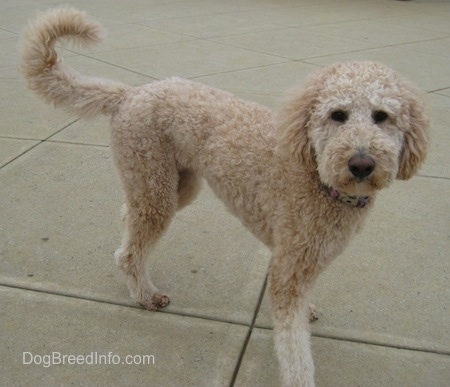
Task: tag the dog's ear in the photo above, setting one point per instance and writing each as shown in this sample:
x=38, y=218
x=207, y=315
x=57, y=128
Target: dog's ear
x=414, y=123
x=292, y=124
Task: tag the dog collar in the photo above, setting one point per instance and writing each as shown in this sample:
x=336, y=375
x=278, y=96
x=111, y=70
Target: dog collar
x=350, y=200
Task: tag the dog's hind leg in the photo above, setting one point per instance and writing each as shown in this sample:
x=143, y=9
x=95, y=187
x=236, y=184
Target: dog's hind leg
x=151, y=202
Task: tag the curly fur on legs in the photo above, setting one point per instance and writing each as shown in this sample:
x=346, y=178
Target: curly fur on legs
x=302, y=182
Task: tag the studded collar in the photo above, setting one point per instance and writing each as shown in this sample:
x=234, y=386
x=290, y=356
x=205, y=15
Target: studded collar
x=350, y=200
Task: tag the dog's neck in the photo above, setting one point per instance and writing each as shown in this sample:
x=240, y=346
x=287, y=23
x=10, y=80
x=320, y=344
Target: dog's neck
x=350, y=200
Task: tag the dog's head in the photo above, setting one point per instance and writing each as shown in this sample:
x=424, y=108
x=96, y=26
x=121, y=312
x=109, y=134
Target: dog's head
x=359, y=124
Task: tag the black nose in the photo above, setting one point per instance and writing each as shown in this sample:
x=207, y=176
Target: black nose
x=361, y=166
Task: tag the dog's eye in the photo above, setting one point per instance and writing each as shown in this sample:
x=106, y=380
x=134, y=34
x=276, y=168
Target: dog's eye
x=339, y=116
x=379, y=117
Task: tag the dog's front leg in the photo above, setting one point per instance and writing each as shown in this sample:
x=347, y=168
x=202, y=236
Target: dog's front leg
x=290, y=313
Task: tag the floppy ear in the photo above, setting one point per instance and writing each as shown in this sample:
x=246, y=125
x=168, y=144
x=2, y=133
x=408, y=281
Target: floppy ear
x=292, y=127
x=415, y=125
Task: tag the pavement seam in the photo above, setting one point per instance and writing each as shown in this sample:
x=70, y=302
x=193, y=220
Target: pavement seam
x=249, y=334
x=373, y=343
x=122, y=304
x=384, y=345
x=35, y=145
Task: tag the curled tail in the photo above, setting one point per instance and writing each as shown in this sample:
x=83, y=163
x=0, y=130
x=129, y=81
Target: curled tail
x=53, y=81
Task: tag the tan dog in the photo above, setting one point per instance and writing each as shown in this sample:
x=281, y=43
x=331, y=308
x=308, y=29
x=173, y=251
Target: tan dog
x=303, y=184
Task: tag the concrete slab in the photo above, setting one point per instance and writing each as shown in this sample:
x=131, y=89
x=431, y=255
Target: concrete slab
x=43, y=237
x=90, y=132
x=266, y=85
x=428, y=72
x=15, y=14
x=164, y=350
x=444, y=92
x=391, y=285
x=9, y=44
x=307, y=13
x=378, y=32
x=211, y=25
x=120, y=35
x=60, y=226
x=438, y=157
x=294, y=43
x=142, y=11
x=165, y=60
x=9, y=72
x=340, y=363
x=435, y=46
x=12, y=148
x=92, y=67
x=25, y=116
x=422, y=20
x=432, y=7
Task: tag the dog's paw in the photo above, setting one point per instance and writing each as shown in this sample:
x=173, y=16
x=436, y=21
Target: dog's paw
x=161, y=300
x=155, y=302
x=313, y=314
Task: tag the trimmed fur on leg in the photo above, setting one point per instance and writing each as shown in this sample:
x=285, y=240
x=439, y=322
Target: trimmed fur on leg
x=293, y=348
x=291, y=315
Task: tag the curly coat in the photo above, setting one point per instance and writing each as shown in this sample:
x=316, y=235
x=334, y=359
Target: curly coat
x=352, y=128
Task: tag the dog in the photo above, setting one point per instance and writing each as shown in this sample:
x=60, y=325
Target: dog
x=302, y=181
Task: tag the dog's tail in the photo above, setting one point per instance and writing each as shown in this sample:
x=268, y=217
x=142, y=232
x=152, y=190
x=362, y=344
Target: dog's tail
x=47, y=75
